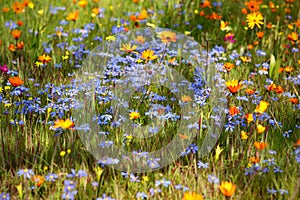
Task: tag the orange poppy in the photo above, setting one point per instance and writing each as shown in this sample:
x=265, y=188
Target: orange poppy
x=249, y=117
x=233, y=86
x=73, y=16
x=214, y=16
x=5, y=9
x=227, y=188
x=233, y=110
x=244, y=11
x=249, y=91
x=20, y=45
x=205, y=4
x=16, y=81
x=64, y=124
x=294, y=100
x=293, y=36
x=279, y=90
x=260, y=145
x=38, y=179
x=260, y=34
x=254, y=160
x=202, y=13
x=288, y=69
x=143, y=15
x=20, y=23
x=18, y=7
x=272, y=86
x=297, y=144
x=16, y=33
x=11, y=47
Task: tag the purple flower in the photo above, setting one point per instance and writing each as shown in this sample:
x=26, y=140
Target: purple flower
x=4, y=68
x=4, y=196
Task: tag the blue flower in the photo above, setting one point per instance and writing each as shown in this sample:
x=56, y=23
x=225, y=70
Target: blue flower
x=26, y=173
x=213, y=179
x=105, y=197
x=51, y=177
x=163, y=182
x=141, y=195
x=4, y=196
x=202, y=165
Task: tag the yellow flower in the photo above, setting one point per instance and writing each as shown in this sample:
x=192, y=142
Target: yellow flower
x=40, y=12
x=134, y=115
x=64, y=124
x=167, y=36
x=192, y=196
x=227, y=188
x=218, y=152
x=249, y=117
x=62, y=153
x=110, y=38
x=128, y=48
x=31, y=5
x=262, y=107
x=253, y=19
x=260, y=128
x=148, y=55
x=244, y=135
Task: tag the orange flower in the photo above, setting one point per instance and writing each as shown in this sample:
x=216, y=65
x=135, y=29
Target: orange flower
x=205, y=4
x=18, y=7
x=214, y=16
x=38, y=179
x=44, y=58
x=233, y=110
x=143, y=15
x=64, y=124
x=260, y=34
x=280, y=70
x=252, y=6
x=20, y=23
x=11, y=47
x=293, y=36
x=20, y=45
x=255, y=43
x=135, y=1
x=279, y=89
x=260, y=145
x=16, y=81
x=16, y=34
x=269, y=25
x=297, y=144
x=73, y=16
x=5, y=9
x=254, y=160
x=95, y=11
x=249, y=91
x=272, y=86
x=167, y=36
x=186, y=98
x=233, y=86
x=26, y=3
x=227, y=188
x=228, y=66
x=244, y=11
x=192, y=196
x=202, y=13
x=140, y=39
x=82, y=3
x=288, y=69
x=249, y=46
x=294, y=100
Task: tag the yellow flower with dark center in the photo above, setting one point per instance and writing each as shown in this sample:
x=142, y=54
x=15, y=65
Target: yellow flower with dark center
x=228, y=66
x=128, y=48
x=73, y=16
x=134, y=115
x=148, y=55
x=192, y=196
x=167, y=36
x=262, y=107
x=254, y=19
x=44, y=58
x=227, y=188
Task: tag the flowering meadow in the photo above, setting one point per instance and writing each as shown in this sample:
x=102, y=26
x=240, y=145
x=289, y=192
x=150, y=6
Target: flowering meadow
x=221, y=120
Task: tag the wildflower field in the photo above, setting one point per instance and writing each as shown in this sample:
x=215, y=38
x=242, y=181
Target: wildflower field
x=146, y=99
